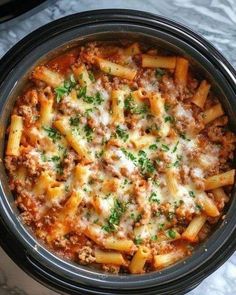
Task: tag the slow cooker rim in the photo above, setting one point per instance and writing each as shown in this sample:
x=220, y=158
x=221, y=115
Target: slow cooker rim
x=77, y=14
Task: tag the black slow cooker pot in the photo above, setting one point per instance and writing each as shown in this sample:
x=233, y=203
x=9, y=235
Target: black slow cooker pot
x=20, y=243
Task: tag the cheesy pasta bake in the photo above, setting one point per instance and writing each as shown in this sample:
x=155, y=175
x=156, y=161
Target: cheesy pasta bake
x=119, y=156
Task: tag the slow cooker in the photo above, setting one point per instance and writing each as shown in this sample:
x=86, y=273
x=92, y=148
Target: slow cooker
x=20, y=243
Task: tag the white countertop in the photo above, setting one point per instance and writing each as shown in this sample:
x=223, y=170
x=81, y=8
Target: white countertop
x=215, y=20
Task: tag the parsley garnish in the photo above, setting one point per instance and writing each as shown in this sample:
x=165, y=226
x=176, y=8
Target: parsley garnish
x=191, y=194
x=198, y=207
x=91, y=77
x=43, y=156
x=154, y=238
x=116, y=214
x=171, y=233
x=99, y=154
x=96, y=100
x=145, y=164
x=65, y=88
x=82, y=92
x=183, y=135
x=88, y=111
x=153, y=198
x=136, y=218
x=161, y=226
x=169, y=119
x=153, y=147
x=175, y=147
x=167, y=107
x=133, y=108
x=122, y=133
x=74, y=121
x=165, y=148
x=88, y=132
x=176, y=163
x=129, y=155
x=159, y=73
x=138, y=241
x=56, y=160
x=52, y=133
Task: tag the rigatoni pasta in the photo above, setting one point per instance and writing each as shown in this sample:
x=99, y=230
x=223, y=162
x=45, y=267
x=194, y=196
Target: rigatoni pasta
x=120, y=156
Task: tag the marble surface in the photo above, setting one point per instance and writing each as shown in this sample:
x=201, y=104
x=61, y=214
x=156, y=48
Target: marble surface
x=215, y=20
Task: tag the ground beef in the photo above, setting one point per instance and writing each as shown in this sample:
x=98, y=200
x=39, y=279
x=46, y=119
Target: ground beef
x=68, y=164
x=111, y=268
x=86, y=255
x=11, y=163
x=215, y=133
x=184, y=174
x=28, y=114
x=61, y=243
x=27, y=217
x=67, y=107
x=31, y=162
x=30, y=98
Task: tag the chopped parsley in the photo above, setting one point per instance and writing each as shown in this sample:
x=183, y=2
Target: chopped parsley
x=153, y=198
x=96, y=221
x=88, y=132
x=99, y=154
x=191, y=194
x=55, y=158
x=165, y=148
x=65, y=88
x=169, y=119
x=74, y=121
x=67, y=188
x=116, y=214
x=126, y=181
x=88, y=111
x=91, y=77
x=156, y=182
x=167, y=107
x=161, y=226
x=43, y=156
x=145, y=164
x=133, y=108
x=176, y=164
x=159, y=73
x=154, y=127
x=57, y=162
x=122, y=133
x=52, y=133
x=153, y=147
x=179, y=157
x=154, y=238
x=136, y=218
x=129, y=155
x=175, y=147
x=82, y=92
x=96, y=100
x=183, y=135
x=198, y=207
x=171, y=233
x=138, y=241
